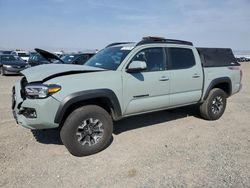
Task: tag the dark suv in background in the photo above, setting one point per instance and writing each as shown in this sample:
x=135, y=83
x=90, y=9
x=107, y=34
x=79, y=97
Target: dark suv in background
x=76, y=58
x=37, y=59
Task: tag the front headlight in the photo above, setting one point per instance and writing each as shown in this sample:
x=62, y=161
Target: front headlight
x=41, y=91
x=7, y=66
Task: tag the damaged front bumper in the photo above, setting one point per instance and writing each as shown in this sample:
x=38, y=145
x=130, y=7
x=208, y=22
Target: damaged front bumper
x=33, y=113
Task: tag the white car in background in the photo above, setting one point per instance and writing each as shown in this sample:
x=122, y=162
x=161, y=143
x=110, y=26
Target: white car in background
x=59, y=54
x=24, y=55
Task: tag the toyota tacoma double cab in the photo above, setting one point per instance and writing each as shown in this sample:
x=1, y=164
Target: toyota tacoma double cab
x=124, y=79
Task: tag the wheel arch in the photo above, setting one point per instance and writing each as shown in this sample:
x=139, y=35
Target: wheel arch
x=104, y=98
x=223, y=83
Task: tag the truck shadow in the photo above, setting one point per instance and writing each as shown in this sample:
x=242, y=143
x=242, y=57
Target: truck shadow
x=150, y=119
x=52, y=136
x=49, y=136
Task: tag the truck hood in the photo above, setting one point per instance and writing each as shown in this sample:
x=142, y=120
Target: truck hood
x=46, y=72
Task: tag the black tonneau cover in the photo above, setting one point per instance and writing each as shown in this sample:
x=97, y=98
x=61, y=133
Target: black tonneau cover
x=217, y=57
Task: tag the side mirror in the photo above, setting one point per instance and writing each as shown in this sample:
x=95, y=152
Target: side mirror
x=137, y=66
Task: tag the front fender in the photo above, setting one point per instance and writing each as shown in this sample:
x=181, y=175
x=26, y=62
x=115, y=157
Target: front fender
x=87, y=95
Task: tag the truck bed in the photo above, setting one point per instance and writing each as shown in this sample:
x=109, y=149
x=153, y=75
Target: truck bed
x=220, y=63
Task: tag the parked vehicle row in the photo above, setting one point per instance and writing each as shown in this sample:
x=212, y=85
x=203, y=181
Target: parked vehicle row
x=242, y=59
x=72, y=58
x=17, y=61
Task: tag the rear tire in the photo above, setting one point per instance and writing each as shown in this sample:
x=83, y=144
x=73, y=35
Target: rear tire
x=214, y=106
x=87, y=130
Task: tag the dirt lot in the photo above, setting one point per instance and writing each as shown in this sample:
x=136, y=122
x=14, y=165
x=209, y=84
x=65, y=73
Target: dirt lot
x=163, y=149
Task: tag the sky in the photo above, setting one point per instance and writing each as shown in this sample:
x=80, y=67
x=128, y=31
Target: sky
x=92, y=24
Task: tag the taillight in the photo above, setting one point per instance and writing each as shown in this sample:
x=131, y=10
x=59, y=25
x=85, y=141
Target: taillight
x=234, y=68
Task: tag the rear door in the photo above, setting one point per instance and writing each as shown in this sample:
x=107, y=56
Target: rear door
x=186, y=75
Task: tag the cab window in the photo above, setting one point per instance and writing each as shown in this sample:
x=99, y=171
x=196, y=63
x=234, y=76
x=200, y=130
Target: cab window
x=181, y=58
x=153, y=57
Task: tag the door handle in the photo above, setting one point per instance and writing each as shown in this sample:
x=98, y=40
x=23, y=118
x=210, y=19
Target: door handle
x=196, y=75
x=164, y=78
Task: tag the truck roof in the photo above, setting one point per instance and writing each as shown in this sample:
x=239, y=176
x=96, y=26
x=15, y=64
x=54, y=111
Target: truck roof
x=151, y=40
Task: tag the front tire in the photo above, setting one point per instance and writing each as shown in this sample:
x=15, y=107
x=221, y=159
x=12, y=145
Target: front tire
x=87, y=130
x=215, y=104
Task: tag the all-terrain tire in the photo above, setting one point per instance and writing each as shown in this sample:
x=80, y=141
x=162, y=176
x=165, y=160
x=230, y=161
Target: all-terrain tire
x=87, y=130
x=215, y=104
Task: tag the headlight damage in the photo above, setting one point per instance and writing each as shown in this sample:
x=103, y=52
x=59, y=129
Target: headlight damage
x=41, y=91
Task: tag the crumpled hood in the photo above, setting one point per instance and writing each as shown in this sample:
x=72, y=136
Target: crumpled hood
x=48, y=71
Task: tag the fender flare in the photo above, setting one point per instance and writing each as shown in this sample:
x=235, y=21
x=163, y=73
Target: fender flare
x=218, y=81
x=87, y=95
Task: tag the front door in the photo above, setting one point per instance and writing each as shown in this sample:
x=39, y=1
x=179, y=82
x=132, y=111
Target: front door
x=147, y=90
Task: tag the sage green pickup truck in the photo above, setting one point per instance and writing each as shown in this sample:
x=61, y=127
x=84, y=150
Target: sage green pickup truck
x=124, y=79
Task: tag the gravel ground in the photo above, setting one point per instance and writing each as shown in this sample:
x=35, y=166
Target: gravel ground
x=164, y=149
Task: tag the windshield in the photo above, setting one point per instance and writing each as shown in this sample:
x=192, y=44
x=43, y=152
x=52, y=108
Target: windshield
x=37, y=57
x=109, y=58
x=10, y=58
x=40, y=58
x=23, y=55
